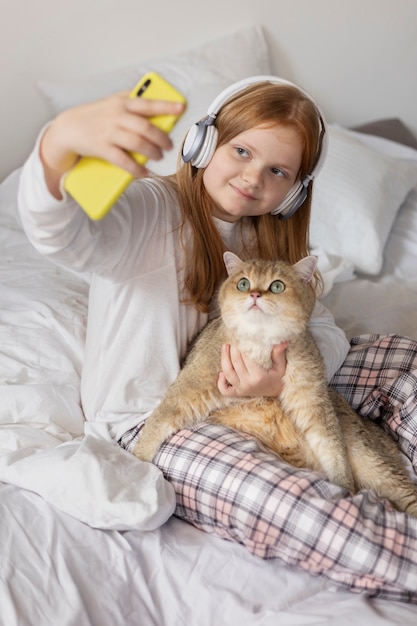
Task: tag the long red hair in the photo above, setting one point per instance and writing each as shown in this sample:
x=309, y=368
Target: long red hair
x=261, y=103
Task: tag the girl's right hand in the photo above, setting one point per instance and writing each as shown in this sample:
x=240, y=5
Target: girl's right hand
x=108, y=129
x=242, y=377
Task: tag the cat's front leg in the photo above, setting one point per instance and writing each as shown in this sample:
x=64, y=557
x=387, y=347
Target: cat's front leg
x=180, y=409
x=326, y=439
x=156, y=431
x=317, y=420
x=305, y=398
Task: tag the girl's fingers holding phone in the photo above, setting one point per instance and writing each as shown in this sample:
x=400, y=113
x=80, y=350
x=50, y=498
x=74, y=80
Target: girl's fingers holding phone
x=151, y=108
x=122, y=158
x=109, y=129
x=141, y=130
x=140, y=112
x=119, y=124
x=142, y=144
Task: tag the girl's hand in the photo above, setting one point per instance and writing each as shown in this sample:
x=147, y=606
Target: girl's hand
x=240, y=376
x=108, y=129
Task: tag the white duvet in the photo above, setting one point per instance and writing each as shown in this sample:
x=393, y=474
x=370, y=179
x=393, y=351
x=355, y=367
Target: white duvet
x=43, y=445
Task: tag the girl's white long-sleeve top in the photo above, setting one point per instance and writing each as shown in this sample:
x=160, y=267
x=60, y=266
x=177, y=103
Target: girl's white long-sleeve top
x=137, y=329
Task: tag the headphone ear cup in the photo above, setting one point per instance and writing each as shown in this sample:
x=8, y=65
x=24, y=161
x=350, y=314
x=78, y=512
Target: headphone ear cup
x=200, y=143
x=193, y=141
x=298, y=202
x=292, y=201
x=291, y=198
x=204, y=155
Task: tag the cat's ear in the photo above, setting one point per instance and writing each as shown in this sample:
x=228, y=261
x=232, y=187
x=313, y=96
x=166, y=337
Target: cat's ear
x=231, y=261
x=306, y=268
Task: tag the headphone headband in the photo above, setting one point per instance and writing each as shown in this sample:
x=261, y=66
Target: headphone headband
x=201, y=140
x=241, y=85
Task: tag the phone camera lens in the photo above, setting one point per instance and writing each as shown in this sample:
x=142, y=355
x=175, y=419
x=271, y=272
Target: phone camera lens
x=144, y=87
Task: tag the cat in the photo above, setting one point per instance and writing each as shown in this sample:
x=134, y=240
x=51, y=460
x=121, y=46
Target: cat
x=263, y=303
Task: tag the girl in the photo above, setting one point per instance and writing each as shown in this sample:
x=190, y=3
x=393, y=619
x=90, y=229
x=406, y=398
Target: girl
x=155, y=264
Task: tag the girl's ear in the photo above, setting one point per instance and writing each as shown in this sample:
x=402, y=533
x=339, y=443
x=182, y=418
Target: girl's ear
x=306, y=268
x=231, y=261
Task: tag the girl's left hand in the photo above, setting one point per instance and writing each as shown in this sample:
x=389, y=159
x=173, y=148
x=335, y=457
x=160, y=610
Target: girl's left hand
x=240, y=376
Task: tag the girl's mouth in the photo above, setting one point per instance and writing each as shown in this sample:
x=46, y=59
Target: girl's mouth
x=242, y=193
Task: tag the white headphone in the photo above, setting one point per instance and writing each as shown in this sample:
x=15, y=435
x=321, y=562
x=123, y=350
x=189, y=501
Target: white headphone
x=201, y=141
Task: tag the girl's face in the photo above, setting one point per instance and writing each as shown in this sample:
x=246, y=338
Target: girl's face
x=251, y=174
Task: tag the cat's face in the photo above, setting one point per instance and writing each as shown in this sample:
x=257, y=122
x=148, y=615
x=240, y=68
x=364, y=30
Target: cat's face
x=266, y=297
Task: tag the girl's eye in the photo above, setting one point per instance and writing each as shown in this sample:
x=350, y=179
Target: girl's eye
x=242, y=151
x=277, y=172
x=277, y=286
x=243, y=284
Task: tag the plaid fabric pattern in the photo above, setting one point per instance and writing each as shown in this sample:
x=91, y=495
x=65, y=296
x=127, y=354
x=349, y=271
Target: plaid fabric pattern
x=227, y=486
x=379, y=379
x=129, y=439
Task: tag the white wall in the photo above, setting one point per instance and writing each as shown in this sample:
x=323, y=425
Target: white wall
x=357, y=57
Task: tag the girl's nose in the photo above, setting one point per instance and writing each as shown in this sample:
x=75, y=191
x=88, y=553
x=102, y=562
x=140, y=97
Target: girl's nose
x=252, y=175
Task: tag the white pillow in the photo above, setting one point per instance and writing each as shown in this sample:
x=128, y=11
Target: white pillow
x=200, y=74
x=356, y=198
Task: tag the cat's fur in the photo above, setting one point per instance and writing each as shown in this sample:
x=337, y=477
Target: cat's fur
x=310, y=425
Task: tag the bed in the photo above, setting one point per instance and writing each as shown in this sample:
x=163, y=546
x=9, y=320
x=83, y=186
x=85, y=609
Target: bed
x=81, y=544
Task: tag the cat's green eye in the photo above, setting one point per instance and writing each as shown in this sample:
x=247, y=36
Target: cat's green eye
x=243, y=284
x=277, y=286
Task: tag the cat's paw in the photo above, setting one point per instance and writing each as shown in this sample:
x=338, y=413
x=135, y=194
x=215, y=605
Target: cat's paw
x=411, y=509
x=345, y=480
x=145, y=451
x=151, y=438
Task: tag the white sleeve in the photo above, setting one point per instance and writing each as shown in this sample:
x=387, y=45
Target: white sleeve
x=59, y=229
x=330, y=339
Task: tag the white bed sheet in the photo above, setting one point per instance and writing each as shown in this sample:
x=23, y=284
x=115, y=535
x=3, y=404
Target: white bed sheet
x=56, y=569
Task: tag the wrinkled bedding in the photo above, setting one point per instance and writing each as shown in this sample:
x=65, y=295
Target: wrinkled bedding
x=86, y=532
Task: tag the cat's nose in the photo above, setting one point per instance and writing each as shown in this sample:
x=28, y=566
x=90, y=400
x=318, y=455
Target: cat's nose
x=255, y=295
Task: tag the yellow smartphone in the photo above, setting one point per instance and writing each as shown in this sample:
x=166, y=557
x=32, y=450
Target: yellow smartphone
x=96, y=184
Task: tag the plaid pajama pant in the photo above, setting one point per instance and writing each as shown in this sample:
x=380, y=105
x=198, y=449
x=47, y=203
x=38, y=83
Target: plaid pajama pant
x=227, y=486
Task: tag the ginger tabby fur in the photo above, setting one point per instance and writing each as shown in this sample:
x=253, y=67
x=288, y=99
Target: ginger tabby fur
x=263, y=303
